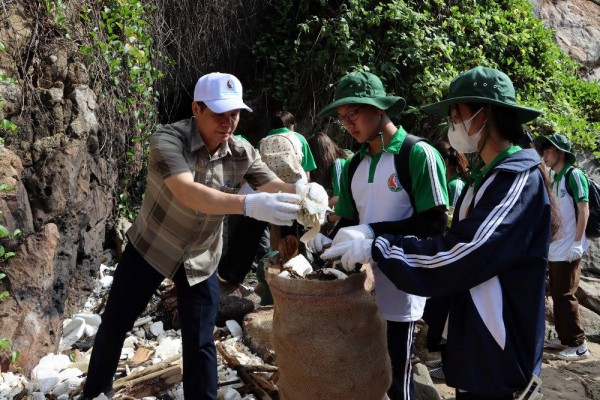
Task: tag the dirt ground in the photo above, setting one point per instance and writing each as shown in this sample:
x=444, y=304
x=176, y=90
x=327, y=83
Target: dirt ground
x=562, y=380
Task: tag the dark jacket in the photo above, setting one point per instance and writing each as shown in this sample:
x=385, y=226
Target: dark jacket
x=493, y=265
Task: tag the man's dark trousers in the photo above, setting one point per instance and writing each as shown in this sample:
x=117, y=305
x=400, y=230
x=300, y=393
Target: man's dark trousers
x=134, y=283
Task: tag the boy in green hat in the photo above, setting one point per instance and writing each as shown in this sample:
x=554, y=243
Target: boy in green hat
x=566, y=251
x=374, y=195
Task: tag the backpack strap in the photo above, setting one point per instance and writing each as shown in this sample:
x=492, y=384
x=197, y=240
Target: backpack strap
x=401, y=162
x=570, y=191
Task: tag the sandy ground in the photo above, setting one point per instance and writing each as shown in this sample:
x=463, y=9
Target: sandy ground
x=562, y=380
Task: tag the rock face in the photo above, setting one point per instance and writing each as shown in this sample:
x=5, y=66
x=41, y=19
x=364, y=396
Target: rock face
x=63, y=186
x=577, y=25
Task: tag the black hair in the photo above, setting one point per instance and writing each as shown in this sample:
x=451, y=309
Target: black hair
x=325, y=152
x=282, y=119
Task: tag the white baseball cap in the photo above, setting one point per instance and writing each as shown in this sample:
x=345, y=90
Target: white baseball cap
x=220, y=92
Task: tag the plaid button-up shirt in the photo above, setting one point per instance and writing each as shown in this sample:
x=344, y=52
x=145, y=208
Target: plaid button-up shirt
x=168, y=234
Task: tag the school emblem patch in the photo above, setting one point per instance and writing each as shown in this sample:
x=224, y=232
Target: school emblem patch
x=394, y=183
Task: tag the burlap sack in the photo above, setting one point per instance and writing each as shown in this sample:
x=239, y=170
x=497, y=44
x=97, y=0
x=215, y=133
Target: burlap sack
x=329, y=340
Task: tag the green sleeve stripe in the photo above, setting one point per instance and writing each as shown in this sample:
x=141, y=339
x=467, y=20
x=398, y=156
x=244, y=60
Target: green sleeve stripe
x=579, y=184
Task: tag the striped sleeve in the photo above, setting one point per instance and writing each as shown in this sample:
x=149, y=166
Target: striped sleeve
x=580, y=185
x=428, y=174
x=474, y=250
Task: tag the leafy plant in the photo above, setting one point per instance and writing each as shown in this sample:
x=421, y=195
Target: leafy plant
x=6, y=126
x=121, y=53
x=56, y=11
x=417, y=47
x=5, y=342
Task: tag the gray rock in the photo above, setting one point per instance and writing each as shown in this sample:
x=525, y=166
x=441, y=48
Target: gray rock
x=424, y=388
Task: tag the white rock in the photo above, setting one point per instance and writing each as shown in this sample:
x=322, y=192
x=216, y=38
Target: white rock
x=168, y=348
x=37, y=396
x=46, y=379
x=72, y=332
x=63, y=397
x=149, y=398
x=234, y=328
x=299, y=264
x=66, y=386
x=157, y=328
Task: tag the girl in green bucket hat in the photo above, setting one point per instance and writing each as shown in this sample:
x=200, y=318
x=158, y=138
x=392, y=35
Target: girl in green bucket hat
x=491, y=263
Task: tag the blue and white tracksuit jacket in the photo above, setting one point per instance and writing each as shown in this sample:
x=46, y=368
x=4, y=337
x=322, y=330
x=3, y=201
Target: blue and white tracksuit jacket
x=492, y=263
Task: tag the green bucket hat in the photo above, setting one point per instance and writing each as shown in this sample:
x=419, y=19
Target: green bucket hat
x=363, y=88
x=560, y=142
x=482, y=85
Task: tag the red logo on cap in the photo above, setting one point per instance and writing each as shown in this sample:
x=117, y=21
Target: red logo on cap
x=229, y=84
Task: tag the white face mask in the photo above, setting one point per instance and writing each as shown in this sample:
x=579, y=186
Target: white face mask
x=458, y=135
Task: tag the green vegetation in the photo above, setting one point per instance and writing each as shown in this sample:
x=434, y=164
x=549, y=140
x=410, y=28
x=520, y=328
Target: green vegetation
x=417, y=47
x=120, y=53
x=6, y=126
x=56, y=11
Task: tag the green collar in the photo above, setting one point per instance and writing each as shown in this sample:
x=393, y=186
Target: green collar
x=563, y=171
x=481, y=170
x=455, y=176
x=393, y=146
x=278, y=130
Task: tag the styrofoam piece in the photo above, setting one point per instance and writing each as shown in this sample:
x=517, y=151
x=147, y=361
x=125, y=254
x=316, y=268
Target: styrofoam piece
x=92, y=322
x=142, y=321
x=72, y=332
x=70, y=373
x=234, y=328
x=131, y=341
x=299, y=264
x=46, y=379
x=168, y=347
x=285, y=274
x=106, y=282
x=157, y=328
x=66, y=386
x=339, y=274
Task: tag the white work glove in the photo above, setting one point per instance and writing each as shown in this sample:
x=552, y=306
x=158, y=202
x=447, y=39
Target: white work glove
x=317, y=243
x=575, y=252
x=316, y=193
x=276, y=208
x=352, y=252
x=355, y=232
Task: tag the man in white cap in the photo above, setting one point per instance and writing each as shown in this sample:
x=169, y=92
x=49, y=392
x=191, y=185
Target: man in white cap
x=193, y=169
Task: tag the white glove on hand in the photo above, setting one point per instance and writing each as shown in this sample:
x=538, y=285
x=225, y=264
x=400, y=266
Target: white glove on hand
x=352, y=252
x=575, y=252
x=355, y=232
x=276, y=208
x=317, y=243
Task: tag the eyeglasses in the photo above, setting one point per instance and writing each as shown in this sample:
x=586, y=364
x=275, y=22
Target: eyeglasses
x=350, y=116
